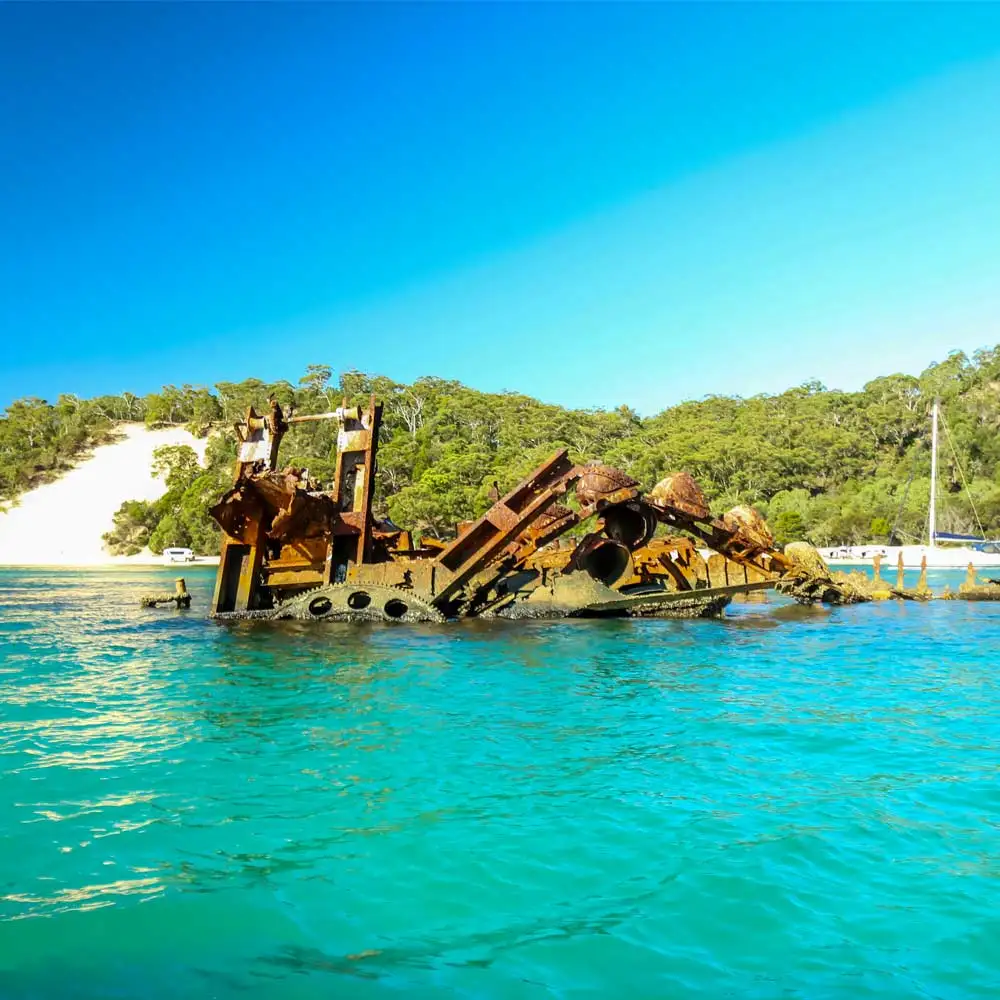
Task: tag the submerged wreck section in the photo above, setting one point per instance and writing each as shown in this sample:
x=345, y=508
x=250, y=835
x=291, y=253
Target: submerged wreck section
x=292, y=549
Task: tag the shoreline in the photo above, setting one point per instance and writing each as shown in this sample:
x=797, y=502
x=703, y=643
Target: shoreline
x=203, y=562
x=938, y=557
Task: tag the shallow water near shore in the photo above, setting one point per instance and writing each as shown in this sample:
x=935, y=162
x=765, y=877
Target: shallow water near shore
x=786, y=803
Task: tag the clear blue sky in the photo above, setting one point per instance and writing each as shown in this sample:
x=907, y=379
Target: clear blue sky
x=593, y=204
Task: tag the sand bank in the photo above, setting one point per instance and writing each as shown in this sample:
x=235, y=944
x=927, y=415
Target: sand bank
x=61, y=523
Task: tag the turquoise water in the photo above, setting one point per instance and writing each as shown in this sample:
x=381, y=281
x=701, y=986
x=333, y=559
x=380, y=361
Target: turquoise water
x=784, y=804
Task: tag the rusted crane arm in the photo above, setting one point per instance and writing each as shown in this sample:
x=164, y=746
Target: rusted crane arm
x=510, y=517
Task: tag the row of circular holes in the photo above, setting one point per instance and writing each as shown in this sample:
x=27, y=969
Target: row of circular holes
x=357, y=601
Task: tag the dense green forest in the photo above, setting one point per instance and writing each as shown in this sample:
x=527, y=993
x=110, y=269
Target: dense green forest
x=833, y=467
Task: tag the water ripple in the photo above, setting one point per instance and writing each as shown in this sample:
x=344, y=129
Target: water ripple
x=777, y=805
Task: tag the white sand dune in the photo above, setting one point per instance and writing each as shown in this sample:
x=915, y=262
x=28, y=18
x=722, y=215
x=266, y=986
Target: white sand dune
x=61, y=523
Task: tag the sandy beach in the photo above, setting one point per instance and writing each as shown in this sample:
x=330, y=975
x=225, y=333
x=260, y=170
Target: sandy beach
x=61, y=523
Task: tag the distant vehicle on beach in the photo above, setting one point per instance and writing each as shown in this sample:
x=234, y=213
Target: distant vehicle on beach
x=178, y=555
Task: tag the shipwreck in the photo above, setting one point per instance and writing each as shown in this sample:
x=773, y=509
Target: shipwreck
x=291, y=549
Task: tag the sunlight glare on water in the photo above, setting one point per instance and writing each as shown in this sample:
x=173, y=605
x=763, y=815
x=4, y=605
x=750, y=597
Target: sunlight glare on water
x=788, y=803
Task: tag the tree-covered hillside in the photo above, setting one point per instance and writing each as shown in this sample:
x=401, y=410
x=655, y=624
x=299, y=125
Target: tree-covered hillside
x=835, y=467
x=39, y=440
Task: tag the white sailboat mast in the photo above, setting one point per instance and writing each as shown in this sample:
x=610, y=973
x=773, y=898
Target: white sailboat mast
x=932, y=514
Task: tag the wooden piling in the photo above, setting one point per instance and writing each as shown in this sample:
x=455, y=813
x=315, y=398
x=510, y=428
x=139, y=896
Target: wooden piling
x=179, y=598
x=922, y=582
x=899, y=571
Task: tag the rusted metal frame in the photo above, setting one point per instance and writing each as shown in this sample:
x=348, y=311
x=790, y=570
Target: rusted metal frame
x=674, y=571
x=505, y=516
x=354, y=511
x=347, y=415
x=364, y=550
x=410, y=574
x=490, y=578
x=553, y=470
x=279, y=577
x=252, y=529
x=492, y=591
x=307, y=418
x=243, y=532
x=220, y=576
x=272, y=426
x=329, y=567
x=338, y=469
x=538, y=536
x=302, y=550
x=503, y=522
x=716, y=537
x=510, y=526
x=250, y=568
x=297, y=562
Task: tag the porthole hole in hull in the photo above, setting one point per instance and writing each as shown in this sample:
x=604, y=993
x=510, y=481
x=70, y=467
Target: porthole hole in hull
x=320, y=606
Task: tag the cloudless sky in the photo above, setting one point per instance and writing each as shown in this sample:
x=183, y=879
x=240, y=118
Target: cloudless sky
x=594, y=204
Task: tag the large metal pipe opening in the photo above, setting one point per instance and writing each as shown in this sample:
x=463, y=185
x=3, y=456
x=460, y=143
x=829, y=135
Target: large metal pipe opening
x=606, y=561
x=630, y=524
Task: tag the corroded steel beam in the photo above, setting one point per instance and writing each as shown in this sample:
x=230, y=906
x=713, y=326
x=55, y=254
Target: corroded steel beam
x=508, y=518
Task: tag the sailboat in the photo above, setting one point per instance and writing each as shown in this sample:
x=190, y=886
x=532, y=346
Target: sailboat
x=957, y=552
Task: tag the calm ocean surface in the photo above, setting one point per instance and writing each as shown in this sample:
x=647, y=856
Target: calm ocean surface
x=783, y=804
